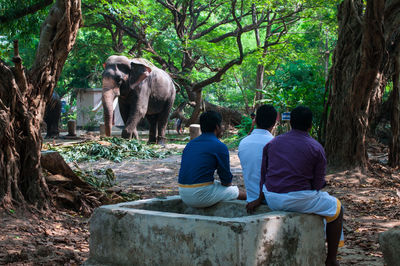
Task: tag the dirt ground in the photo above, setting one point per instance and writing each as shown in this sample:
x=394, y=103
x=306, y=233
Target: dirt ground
x=61, y=237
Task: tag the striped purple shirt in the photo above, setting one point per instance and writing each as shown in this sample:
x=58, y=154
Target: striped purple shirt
x=296, y=162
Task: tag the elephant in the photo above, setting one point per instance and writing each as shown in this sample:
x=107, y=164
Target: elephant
x=142, y=90
x=52, y=115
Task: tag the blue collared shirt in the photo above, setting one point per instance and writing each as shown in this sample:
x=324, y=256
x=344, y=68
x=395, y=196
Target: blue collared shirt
x=250, y=155
x=201, y=157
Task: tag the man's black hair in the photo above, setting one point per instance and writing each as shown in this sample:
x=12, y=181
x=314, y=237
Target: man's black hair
x=301, y=118
x=209, y=121
x=266, y=116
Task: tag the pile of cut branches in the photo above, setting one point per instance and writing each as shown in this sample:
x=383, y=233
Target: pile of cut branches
x=113, y=149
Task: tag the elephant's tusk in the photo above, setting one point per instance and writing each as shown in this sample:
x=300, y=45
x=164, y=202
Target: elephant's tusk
x=97, y=107
x=115, y=103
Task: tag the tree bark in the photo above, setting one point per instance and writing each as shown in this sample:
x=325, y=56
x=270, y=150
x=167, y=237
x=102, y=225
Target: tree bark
x=363, y=63
x=394, y=156
x=356, y=75
x=23, y=96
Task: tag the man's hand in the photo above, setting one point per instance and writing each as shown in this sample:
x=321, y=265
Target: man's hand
x=226, y=185
x=252, y=206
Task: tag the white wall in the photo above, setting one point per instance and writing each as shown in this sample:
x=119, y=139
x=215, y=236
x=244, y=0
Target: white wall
x=86, y=100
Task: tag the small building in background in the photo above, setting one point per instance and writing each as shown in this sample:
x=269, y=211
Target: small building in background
x=86, y=100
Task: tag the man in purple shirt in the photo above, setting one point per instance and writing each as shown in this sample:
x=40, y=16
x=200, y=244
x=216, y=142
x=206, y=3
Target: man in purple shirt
x=292, y=175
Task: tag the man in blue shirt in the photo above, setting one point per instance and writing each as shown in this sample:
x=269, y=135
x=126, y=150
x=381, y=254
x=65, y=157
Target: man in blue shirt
x=201, y=157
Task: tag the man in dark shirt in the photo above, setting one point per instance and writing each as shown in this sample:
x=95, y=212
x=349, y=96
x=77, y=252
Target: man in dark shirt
x=200, y=158
x=292, y=175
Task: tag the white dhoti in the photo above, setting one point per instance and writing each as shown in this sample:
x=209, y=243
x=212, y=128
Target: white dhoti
x=207, y=194
x=306, y=201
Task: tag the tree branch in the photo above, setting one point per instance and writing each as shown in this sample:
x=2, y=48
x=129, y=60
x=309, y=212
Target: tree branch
x=221, y=71
x=195, y=26
x=116, y=22
x=256, y=30
x=58, y=35
x=13, y=15
x=19, y=69
x=216, y=25
x=168, y=5
x=234, y=33
x=240, y=31
x=254, y=26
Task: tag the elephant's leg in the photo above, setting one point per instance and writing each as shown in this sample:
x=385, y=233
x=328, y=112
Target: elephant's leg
x=52, y=117
x=52, y=129
x=57, y=119
x=130, y=130
x=137, y=102
x=153, y=128
x=128, y=135
x=132, y=121
x=125, y=111
x=50, y=126
x=162, y=122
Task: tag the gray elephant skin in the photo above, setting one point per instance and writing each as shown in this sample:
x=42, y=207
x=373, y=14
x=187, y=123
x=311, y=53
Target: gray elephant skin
x=142, y=90
x=52, y=115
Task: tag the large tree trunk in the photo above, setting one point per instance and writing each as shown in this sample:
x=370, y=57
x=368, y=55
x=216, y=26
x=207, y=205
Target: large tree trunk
x=394, y=156
x=360, y=70
x=23, y=96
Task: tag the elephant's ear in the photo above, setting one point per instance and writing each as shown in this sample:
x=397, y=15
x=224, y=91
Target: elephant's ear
x=141, y=68
x=139, y=72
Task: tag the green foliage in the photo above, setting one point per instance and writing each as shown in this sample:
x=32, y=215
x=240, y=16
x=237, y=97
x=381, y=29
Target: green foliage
x=294, y=68
x=233, y=140
x=102, y=179
x=93, y=118
x=69, y=114
x=297, y=84
x=302, y=49
x=244, y=127
x=236, y=85
x=25, y=29
x=113, y=149
x=84, y=65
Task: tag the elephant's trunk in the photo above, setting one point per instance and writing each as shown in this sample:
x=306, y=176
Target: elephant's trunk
x=110, y=91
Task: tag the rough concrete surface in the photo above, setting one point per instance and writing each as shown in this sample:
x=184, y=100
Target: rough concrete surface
x=389, y=242
x=167, y=232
